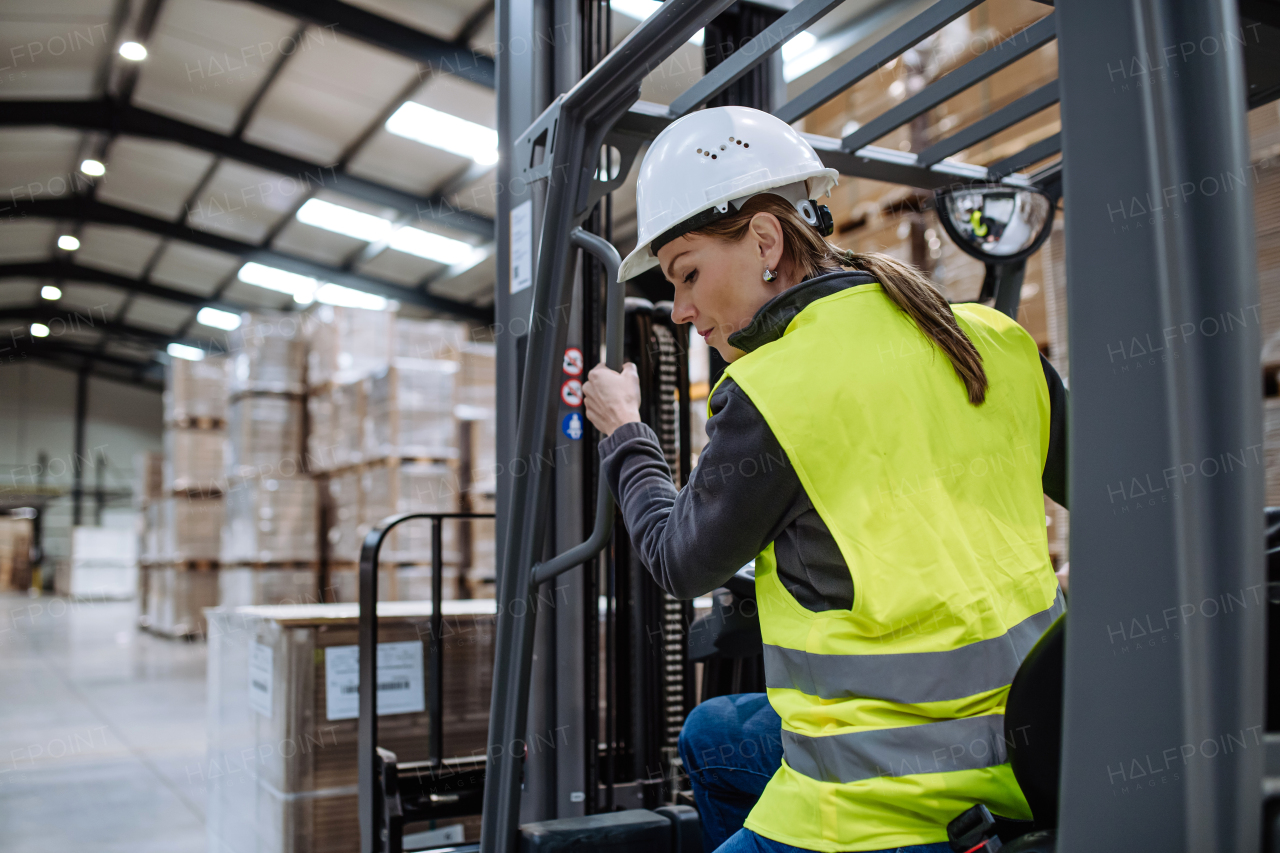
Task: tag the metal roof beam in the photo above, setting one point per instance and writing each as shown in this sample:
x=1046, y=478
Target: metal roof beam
x=75, y=272
x=1033, y=153
x=988, y=126
x=435, y=53
x=75, y=358
x=646, y=120
x=91, y=210
x=903, y=38
x=972, y=72
x=107, y=116
x=71, y=320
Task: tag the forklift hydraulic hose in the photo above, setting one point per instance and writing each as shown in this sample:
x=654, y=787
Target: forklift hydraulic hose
x=614, y=309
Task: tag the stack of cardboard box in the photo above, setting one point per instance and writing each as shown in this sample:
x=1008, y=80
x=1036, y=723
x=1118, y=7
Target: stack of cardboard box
x=182, y=518
x=269, y=539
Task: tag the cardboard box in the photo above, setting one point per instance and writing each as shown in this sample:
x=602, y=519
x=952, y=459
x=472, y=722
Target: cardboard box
x=409, y=411
x=196, y=391
x=347, y=343
x=268, y=353
x=193, y=460
x=240, y=586
x=271, y=520
x=264, y=436
x=281, y=766
x=176, y=598
x=394, y=486
x=190, y=529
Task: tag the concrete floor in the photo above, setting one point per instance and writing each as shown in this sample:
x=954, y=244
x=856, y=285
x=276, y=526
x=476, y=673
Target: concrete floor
x=102, y=732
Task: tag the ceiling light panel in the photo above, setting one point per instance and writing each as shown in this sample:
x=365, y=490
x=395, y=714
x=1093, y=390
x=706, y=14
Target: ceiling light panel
x=433, y=247
x=444, y=131
x=344, y=220
x=215, y=319
x=184, y=351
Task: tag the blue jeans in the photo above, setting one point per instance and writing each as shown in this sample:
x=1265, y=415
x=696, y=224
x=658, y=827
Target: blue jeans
x=731, y=746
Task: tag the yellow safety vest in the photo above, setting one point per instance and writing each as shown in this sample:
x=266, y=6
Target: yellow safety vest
x=892, y=711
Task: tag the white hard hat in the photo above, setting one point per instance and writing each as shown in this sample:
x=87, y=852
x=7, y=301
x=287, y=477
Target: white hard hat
x=703, y=162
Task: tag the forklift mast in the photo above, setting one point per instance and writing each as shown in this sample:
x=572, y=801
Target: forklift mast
x=1134, y=271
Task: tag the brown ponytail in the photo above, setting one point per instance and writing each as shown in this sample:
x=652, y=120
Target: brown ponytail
x=809, y=254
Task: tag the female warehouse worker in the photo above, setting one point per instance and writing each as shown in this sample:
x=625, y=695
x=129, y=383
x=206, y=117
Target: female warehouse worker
x=881, y=456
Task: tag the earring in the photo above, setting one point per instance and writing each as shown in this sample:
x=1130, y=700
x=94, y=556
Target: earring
x=769, y=275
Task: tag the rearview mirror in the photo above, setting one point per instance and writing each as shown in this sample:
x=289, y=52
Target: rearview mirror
x=994, y=223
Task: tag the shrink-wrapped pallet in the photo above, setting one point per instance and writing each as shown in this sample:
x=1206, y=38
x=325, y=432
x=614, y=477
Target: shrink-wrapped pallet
x=151, y=543
x=268, y=353
x=477, y=407
x=409, y=411
x=176, y=597
x=480, y=563
x=334, y=426
x=320, y=448
x=264, y=436
x=428, y=339
x=191, y=529
x=344, y=516
x=239, y=586
x=195, y=392
x=344, y=583
x=271, y=520
x=15, y=553
x=347, y=343
x=103, y=564
x=283, y=707
x=193, y=460
x=395, y=486
x=148, y=477
x=347, y=426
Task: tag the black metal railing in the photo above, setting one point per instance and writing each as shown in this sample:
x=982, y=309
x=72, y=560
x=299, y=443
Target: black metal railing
x=374, y=825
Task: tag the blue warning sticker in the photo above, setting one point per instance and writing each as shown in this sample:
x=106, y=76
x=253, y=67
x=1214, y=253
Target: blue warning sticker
x=572, y=425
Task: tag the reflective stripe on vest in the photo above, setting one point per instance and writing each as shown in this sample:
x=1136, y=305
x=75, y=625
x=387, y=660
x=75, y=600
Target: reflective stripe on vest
x=967, y=743
x=913, y=677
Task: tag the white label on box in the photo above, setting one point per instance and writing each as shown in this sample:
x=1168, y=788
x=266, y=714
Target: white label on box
x=261, y=677
x=522, y=246
x=401, y=688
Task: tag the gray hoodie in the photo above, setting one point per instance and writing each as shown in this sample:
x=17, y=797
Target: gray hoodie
x=744, y=493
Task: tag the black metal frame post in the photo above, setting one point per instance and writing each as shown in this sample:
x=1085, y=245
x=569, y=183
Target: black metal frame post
x=370, y=790
x=568, y=142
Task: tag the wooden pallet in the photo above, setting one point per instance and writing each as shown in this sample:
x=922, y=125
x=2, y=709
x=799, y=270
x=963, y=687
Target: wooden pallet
x=211, y=490
x=183, y=633
x=192, y=565
x=204, y=422
x=291, y=565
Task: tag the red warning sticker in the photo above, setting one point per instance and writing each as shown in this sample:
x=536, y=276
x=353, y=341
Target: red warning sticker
x=571, y=392
x=573, y=361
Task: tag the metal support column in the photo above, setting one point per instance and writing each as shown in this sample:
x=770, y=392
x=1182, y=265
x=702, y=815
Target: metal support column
x=77, y=460
x=1162, y=741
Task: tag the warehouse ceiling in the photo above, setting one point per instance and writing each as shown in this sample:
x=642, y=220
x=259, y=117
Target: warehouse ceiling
x=259, y=155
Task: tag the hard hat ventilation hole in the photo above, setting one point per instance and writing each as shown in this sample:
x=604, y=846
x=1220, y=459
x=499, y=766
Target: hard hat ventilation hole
x=699, y=150
x=713, y=156
x=746, y=145
x=721, y=147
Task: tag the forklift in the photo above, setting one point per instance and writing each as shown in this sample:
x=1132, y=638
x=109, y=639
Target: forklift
x=588, y=648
